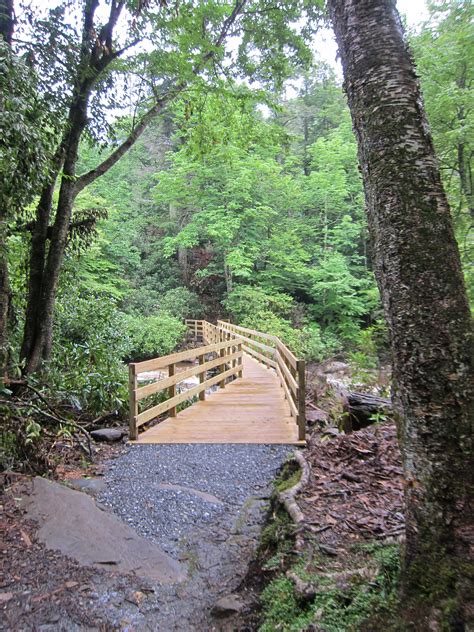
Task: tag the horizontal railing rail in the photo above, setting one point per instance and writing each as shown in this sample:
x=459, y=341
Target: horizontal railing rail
x=228, y=362
x=272, y=352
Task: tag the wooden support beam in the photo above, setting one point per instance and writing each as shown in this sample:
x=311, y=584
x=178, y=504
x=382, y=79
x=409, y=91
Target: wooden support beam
x=172, y=389
x=301, y=419
x=133, y=403
x=202, y=378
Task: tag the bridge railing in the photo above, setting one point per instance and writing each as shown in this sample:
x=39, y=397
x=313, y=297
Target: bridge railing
x=272, y=352
x=228, y=362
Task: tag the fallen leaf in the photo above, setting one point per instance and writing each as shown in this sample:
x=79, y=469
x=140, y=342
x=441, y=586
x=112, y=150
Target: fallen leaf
x=71, y=584
x=26, y=538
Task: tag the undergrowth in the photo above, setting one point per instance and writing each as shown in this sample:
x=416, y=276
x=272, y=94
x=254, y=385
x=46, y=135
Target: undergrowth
x=348, y=592
x=335, y=607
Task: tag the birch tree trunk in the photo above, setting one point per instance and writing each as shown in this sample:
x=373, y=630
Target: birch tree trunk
x=418, y=271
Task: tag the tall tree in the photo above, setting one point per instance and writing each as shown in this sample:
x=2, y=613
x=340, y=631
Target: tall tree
x=26, y=132
x=189, y=38
x=418, y=270
x=6, y=32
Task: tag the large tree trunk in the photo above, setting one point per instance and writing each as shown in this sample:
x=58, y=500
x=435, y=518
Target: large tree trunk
x=6, y=32
x=419, y=275
x=7, y=20
x=38, y=251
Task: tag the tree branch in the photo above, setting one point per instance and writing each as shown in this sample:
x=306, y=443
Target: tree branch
x=87, y=178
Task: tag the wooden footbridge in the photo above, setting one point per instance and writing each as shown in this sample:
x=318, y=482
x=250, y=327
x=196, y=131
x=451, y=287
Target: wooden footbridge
x=257, y=396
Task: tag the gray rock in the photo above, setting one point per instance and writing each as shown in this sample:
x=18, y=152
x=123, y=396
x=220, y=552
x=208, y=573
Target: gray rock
x=89, y=485
x=107, y=434
x=70, y=522
x=228, y=605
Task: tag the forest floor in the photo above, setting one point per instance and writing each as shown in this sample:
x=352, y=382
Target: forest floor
x=205, y=506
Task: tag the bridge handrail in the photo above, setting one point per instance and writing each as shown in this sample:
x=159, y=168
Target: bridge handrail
x=229, y=363
x=270, y=350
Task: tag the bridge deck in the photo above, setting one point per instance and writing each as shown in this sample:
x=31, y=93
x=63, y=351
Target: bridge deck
x=251, y=409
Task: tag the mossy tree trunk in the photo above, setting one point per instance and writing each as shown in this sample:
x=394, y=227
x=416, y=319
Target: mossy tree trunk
x=418, y=271
x=6, y=33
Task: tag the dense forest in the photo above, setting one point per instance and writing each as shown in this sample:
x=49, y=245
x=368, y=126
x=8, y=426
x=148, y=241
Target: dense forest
x=192, y=160
x=238, y=204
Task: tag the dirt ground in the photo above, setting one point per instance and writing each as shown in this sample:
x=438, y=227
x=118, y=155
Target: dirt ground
x=354, y=494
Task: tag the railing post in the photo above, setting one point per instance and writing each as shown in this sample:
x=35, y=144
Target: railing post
x=133, y=403
x=301, y=374
x=202, y=378
x=172, y=389
x=239, y=347
x=222, y=355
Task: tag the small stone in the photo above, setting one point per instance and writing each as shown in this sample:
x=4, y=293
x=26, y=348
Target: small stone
x=135, y=597
x=228, y=605
x=107, y=434
x=71, y=584
x=6, y=596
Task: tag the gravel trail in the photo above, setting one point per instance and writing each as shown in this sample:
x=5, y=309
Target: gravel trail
x=205, y=506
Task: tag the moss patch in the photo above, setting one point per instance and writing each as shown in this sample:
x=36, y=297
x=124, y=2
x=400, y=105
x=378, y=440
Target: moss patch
x=288, y=477
x=339, y=605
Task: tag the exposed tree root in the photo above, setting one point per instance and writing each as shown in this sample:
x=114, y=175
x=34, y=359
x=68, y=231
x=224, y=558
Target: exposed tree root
x=288, y=497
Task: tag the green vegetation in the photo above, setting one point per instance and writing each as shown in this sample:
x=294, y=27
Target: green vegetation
x=334, y=609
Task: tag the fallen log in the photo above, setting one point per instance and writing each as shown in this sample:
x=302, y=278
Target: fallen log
x=362, y=410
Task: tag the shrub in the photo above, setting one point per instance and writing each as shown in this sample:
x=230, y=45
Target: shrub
x=181, y=303
x=152, y=336
x=87, y=367
x=246, y=302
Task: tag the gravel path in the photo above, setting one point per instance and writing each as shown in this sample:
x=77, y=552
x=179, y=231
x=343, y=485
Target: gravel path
x=202, y=504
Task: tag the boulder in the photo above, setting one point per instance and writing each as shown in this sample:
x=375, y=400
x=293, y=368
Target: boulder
x=107, y=434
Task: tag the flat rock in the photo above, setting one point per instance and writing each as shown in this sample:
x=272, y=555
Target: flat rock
x=228, y=605
x=334, y=367
x=89, y=485
x=314, y=415
x=72, y=523
x=107, y=434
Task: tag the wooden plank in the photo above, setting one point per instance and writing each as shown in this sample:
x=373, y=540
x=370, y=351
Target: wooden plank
x=190, y=354
x=260, y=345
x=259, y=356
x=159, y=409
x=291, y=403
x=238, y=328
x=290, y=380
x=251, y=410
x=160, y=385
x=283, y=349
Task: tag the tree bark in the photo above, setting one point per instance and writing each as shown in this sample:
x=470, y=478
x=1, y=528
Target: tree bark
x=7, y=20
x=6, y=32
x=419, y=275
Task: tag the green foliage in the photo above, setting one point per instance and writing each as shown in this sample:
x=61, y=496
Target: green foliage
x=340, y=299
x=86, y=368
x=152, y=336
x=444, y=55
x=181, y=303
x=26, y=131
x=333, y=609
x=247, y=301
